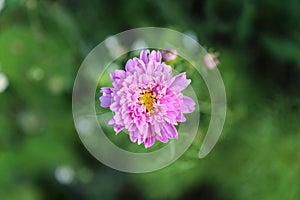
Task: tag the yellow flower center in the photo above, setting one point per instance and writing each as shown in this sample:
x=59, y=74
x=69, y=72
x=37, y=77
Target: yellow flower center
x=147, y=99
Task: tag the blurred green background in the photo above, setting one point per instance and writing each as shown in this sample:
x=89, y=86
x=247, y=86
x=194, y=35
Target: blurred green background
x=42, y=44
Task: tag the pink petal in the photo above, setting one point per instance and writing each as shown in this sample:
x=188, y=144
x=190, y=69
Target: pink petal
x=129, y=67
x=106, y=101
x=144, y=56
x=172, y=115
x=161, y=134
x=155, y=56
x=163, y=139
x=117, y=74
x=111, y=121
x=170, y=130
x=150, y=139
x=106, y=91
x=187, y=104
x=179, y=82
x=133, y=136
x=118, y=128
x=181, y=118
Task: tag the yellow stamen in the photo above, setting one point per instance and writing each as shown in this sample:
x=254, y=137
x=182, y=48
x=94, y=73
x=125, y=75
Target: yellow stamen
x=147, y=99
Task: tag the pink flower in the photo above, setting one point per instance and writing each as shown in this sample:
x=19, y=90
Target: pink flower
x=210, y=61
x=146, y=100
x=169, y=55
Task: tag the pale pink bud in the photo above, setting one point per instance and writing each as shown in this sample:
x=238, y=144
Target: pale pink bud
x=210, y=61
x=169, y=55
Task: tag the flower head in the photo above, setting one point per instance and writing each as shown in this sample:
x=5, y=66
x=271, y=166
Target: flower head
x=146, y=100
x=210, y=61
x=169, y=55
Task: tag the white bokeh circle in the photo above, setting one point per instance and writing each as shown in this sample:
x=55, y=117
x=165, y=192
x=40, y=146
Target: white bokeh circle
x=83, y=105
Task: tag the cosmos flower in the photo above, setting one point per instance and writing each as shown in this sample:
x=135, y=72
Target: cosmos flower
x=146, y=100
x=210, y=61
x=169, y=55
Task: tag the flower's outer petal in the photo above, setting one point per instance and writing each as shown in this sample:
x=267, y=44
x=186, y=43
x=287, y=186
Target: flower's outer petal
x=133, y=136
x=114, y=106
x=172, y=115
x=150, y=139
x=118, y=128
x=155, y=56
x=179, y=82
x=163, y=71
x=106, y=91
x=144, y=56
x=181, y=118
x=129, y=67
x=139, y=64
x=106, y=101
x=164, y=132
x=149, y=70
x=117, y=74
x=187, y=104
x=140, y=139
x=170, y=130
x=162, y=135
x=111, y=121
x=162, y=139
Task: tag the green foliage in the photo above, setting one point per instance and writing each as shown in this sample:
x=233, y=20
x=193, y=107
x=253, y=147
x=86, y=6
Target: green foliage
x=42, y=44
